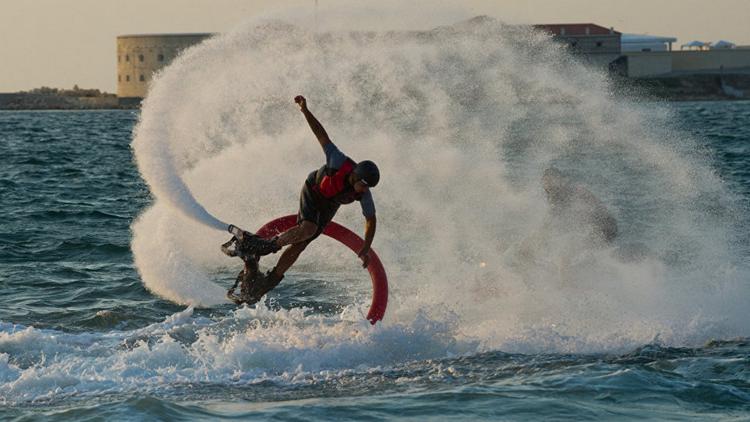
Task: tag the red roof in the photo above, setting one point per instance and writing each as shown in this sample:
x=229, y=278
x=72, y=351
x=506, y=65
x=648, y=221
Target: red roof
x=576, y=29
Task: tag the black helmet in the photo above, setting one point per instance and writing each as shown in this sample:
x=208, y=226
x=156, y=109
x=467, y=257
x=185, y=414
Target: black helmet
x=368, y=172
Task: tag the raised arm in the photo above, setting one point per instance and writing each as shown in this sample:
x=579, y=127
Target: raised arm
x=368, y=210
x=315, y=125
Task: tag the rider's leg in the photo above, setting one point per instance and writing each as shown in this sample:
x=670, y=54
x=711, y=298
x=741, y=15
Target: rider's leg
x=298, y=234
x=288, y=258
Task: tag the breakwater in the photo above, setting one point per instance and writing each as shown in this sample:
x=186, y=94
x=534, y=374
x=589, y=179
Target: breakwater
x=26, y=101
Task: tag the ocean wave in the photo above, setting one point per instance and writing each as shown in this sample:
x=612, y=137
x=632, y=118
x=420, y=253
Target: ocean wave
x=267, y=355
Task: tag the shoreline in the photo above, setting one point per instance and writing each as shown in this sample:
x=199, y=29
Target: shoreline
x=707, y=86
x=58, y=101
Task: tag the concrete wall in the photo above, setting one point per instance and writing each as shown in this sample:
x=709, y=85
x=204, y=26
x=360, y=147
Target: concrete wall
x=687, y=61
x=600, y=60
x=643, y=64
x=592, y=44
x=140, y=56
x=657, y=63
x=645, y=46
x=597, y=50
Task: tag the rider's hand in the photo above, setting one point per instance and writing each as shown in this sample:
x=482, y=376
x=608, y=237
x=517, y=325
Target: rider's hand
x=301, y=102
x=364, y=255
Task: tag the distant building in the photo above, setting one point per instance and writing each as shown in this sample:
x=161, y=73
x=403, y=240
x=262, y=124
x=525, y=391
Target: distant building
x=599, y=45
x=638, y=42
x=722, y=44
x=140, y=56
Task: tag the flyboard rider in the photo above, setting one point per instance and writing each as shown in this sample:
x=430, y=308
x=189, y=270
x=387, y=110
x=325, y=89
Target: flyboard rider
x=340, y=181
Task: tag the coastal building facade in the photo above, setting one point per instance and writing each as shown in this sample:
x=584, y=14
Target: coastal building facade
x=596, y=44
x=140, y=56
x=644, y=64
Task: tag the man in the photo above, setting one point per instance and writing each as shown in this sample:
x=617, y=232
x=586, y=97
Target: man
x=339, y=181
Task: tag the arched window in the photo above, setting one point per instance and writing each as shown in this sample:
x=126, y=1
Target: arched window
x=160, y=57
x=127, y=78
x=140, y=58
x=142, y=78
x=118, y=78
x=127, y=57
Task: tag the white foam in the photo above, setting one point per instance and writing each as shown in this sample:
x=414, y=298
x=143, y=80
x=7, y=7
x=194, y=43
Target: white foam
x=248, y=346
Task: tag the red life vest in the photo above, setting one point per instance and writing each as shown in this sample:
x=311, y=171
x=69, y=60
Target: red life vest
x=334, y=186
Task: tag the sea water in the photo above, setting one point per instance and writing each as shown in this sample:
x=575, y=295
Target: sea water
x=113, y=281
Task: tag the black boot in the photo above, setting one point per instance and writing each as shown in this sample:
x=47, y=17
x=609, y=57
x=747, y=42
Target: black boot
x=252, y=244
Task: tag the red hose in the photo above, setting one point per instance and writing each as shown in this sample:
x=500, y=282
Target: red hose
x=353, y=242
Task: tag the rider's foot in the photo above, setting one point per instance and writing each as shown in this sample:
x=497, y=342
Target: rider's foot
x=259, y=246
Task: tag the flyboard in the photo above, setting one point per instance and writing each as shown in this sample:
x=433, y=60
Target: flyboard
x=251, y=246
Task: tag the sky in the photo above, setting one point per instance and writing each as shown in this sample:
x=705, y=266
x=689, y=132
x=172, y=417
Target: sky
x=60, y=43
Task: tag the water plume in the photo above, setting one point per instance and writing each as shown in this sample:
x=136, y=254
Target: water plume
x=462, y=119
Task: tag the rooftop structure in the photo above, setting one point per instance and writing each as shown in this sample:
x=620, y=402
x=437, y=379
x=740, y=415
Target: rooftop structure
x=641, y=42
x=576, y=29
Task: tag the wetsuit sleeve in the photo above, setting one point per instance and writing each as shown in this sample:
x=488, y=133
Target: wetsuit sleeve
x=334, y=158
x=368, y=205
